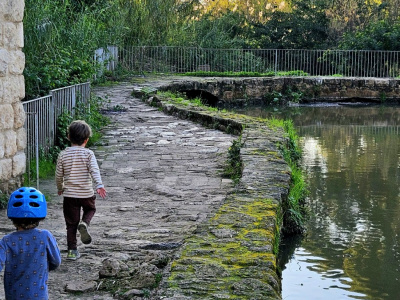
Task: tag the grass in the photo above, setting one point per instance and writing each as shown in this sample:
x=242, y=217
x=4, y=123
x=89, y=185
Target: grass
x=245, y=74
x=179, y=98
x=295, y=211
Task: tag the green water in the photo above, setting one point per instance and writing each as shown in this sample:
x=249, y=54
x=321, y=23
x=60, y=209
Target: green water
x=351, y=157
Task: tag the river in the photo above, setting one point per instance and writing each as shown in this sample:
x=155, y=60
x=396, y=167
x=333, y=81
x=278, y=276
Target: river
x=351, y=159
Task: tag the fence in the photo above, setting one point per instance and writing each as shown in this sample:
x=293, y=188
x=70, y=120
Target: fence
x=347, y=63
x=106, y=59
x=42, y=114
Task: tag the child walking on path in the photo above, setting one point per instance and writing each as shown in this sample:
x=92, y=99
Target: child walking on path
x=76, y=170
x=27, y=254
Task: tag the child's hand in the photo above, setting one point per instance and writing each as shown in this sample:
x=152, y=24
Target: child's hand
x=102, y=192
x=60, y=193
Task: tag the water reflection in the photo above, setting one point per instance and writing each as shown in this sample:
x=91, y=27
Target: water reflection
x=351, y=157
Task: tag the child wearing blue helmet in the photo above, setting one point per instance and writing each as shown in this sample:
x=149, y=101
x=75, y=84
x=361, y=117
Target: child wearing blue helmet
x=27, y=254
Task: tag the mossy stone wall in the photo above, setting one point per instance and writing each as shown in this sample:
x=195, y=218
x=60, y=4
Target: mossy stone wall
x=233, y=254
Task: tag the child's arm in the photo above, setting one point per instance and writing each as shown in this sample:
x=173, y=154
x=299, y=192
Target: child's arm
x=95, y=173
x=59, y=175
x=2, y=254
x=102, y=192
x=53, y=253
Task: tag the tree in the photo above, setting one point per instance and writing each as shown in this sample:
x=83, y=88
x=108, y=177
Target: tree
x=60, y=41
x=380, y=35
x=227, y=31
x=253, y=10
x=305, y=27
x=151, y=22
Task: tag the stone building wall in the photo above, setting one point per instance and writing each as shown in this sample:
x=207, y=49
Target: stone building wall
x=313, y=89
x=12, y=91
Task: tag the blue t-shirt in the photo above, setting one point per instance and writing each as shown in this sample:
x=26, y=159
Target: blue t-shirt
x=27, y=256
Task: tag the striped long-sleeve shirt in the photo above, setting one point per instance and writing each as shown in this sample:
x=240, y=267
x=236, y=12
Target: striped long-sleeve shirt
x=76, y=171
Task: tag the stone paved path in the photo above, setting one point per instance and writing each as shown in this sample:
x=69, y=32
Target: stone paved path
x=163, y=179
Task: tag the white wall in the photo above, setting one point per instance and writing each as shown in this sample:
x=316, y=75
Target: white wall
x=12, y=91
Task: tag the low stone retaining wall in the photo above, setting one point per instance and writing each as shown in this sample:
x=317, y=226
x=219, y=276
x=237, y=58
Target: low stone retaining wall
x=233, y=255
x=234, y=91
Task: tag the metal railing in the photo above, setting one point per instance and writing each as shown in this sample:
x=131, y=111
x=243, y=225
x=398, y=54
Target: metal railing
x=346, y=63
x=42, y=114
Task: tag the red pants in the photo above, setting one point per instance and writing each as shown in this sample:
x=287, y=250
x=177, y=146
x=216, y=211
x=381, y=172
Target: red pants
x=72, y=215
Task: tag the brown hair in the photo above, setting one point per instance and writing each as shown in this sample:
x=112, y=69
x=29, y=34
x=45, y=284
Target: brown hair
x=78, y=132
x=26, y=223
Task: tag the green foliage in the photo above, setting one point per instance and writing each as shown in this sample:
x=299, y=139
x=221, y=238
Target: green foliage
x=383, y=97
x=60, y=38
x=304, y=27
x=293, y=149
x=295, y=213
x=380, y=35
x=234, y=166
x=179, y=98
x=47, y=166
x=91, y=113
x=294, y=208
x=273, y=98
x=223, y=32
x=282, y=98
x=156, y=22
x=244, y=74
x=3, y=200
x=63, y=121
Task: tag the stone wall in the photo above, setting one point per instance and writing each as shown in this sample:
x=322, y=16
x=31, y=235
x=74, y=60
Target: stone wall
x=313, y=89
x=12, y=91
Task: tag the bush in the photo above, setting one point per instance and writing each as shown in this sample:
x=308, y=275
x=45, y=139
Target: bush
x=90, y=113
x=60, y=39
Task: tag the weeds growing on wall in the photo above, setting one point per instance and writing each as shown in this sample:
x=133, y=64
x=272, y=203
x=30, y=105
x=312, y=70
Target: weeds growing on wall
x=294, y=209
x=234, y=165
x=289, y=94
x=295, y=213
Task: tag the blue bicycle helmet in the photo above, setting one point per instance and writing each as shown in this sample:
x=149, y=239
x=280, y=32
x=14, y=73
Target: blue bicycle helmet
x=27, y=202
